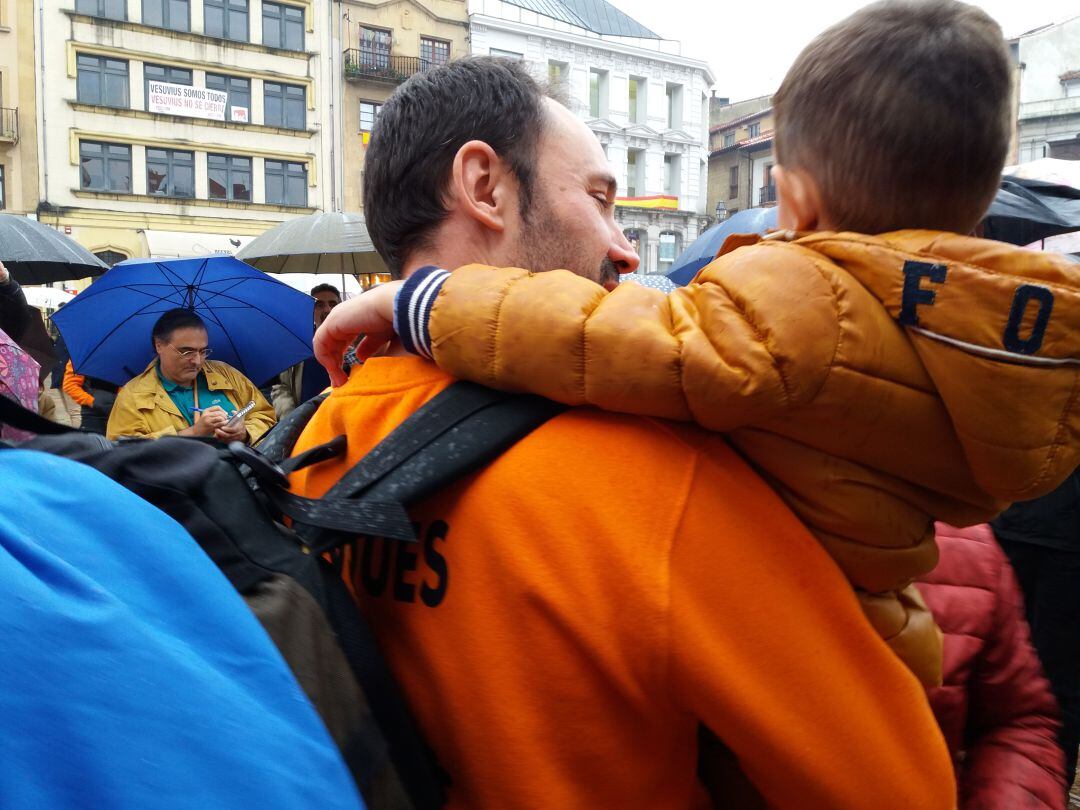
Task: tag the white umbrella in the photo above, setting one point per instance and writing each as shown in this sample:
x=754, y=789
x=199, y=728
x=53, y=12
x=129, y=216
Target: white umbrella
x=333, y=242
x=46, y=297
x=1048, y=170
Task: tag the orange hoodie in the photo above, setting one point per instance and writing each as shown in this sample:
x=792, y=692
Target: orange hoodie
x=574, y=611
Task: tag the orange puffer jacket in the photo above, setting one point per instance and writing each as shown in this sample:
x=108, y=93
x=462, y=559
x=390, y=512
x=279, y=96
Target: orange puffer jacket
x=878, y=382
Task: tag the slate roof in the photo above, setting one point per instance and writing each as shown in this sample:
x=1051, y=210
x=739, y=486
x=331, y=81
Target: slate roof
x=597, y=16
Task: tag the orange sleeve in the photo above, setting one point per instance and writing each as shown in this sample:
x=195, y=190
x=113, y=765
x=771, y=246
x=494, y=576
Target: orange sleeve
x=769, y=649
x=724, y=352
x=73, y=387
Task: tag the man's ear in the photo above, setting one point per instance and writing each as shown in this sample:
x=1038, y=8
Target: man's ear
x=480, y=185
x=798, y=200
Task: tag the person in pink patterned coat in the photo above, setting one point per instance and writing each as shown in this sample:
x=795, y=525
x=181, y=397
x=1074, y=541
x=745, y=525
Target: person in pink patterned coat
x=994, y=706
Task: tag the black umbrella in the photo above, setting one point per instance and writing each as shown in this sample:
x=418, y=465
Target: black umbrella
x=38, y=254
x=1025, y=211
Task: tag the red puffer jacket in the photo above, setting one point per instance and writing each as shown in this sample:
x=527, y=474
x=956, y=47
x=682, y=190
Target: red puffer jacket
x=994, y=706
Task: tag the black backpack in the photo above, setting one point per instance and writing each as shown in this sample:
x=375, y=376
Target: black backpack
x=233, y=501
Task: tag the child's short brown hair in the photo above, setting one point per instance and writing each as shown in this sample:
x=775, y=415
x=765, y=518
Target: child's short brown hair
x=900, y=113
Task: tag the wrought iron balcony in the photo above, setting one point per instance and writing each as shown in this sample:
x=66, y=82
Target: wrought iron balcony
x=9, y=124
x=767, y=194
x=382, y=67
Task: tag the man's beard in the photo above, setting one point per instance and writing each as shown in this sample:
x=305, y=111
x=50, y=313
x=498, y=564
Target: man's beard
x=545, y=247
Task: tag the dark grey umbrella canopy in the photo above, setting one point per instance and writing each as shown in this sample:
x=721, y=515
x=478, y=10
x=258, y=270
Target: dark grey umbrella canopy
x=38, y=254
x=333, y=242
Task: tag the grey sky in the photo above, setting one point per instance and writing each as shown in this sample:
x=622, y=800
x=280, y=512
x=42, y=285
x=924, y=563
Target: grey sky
x=750, y=45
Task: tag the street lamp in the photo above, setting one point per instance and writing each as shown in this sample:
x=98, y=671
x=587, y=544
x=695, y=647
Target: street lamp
x=721, y=211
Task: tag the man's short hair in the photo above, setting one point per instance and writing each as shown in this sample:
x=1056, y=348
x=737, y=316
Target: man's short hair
x=318, y=288
x=171, y=321
x=418, y=133
x=901, y=114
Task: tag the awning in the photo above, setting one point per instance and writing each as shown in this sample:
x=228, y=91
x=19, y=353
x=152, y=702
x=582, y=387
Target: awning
x=185, y=244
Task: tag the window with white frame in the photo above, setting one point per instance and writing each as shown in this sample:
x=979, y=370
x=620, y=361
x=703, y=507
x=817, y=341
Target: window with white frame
x=369, y=113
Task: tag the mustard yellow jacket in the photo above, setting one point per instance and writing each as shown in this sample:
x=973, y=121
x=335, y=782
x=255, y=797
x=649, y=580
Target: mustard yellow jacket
x=142, y=407
x=878, y=382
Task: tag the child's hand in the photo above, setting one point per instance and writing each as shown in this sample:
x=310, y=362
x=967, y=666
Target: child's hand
x=370, y=315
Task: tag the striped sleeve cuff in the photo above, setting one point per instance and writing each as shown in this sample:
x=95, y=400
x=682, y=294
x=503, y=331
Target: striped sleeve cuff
x=412, y=308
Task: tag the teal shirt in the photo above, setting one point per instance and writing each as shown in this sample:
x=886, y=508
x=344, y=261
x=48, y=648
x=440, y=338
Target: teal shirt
x=184, y=398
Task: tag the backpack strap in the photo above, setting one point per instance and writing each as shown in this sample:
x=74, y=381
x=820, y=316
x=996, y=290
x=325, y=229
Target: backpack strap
x=278, y=443
x=454, y=434
x=16, y=416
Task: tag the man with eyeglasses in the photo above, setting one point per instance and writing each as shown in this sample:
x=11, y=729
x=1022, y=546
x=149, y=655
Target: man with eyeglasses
x=182, y=393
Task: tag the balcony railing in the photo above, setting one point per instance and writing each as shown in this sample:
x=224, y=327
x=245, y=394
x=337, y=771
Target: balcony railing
x=382, y=67
x=9, y=124
x=767, y=194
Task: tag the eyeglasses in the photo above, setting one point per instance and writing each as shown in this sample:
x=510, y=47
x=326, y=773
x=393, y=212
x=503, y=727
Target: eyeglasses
x=188, y=353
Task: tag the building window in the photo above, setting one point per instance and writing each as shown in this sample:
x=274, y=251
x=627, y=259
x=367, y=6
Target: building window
x=163, y=73
x=102, y=81
x=598, y=93
x=755, y=130
x=674, y=94
x=284, y=105
x=672, y=175
x=635, y=163
x=433, y=52
x=110, y=9
x=1071, y=87
x=227, y=19
x=375, y=44
x=111, y=257
x=369, y=113
x=229, y=177
x=669, y=249
x=638, y=95
x=3, y=189
x=104, y=166
x=505, y=54
x=729, y=139
x=557, y=73
x=286, y=183
x=283, y=26
x=768, y=189
x=733, y=182
x=239, y=90
x=170, y=173
x=172, y=14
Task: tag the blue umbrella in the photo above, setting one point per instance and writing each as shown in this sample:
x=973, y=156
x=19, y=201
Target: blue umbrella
x=255, y=323
x=703, y=249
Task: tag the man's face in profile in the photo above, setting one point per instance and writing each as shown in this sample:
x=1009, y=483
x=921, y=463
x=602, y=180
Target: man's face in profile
x=570, y=223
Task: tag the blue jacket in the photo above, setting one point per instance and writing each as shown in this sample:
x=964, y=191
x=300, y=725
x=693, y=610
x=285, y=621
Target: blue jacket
x=132, y=674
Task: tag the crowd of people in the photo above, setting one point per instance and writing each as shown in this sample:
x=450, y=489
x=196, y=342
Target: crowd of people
x=785, y=613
